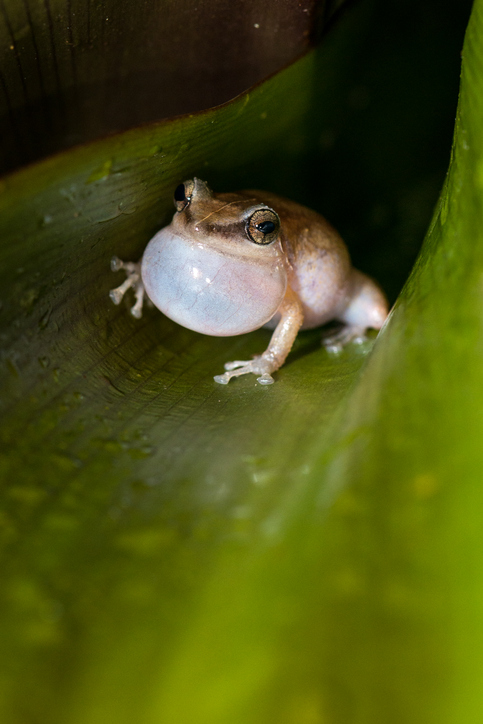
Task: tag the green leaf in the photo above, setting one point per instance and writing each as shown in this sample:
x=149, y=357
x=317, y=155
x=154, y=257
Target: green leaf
x=178, y=551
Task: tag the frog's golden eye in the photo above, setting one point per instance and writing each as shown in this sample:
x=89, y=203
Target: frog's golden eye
x=263, y=226
x=182, y=195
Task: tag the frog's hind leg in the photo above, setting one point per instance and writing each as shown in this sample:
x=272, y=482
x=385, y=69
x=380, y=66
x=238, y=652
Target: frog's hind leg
x=133, y=280
x=367, y=309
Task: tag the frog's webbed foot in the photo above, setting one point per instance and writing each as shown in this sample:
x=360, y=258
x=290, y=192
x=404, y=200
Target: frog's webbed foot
x=335, y=341
x=257, y=366
x=133, y=279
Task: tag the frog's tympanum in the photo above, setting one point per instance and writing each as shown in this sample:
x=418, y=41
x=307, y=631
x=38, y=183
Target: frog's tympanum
x=231, y=263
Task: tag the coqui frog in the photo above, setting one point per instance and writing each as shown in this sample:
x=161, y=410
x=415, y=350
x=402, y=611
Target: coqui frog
x=230, y=263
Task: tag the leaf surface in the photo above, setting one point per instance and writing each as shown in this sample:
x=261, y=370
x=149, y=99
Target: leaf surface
x=174, y=550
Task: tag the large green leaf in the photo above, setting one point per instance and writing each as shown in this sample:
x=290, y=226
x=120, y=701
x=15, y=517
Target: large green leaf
x=177, y=551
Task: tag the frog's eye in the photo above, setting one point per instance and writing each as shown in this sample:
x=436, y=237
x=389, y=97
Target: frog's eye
x=263, y=226
x=182, y=195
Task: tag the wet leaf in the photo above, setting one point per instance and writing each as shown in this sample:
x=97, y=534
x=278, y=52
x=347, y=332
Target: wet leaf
x=173, y=550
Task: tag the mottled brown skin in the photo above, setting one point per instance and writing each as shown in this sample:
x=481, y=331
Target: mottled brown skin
x=321, y=284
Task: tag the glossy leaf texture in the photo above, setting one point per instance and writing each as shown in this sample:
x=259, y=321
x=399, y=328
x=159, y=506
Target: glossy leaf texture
x=177, y=551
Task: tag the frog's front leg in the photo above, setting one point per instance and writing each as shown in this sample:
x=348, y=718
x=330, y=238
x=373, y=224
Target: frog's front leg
x=280, y=345
x=134, y=280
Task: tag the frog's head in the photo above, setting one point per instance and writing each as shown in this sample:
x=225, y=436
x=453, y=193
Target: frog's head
x=219, y=267
x=233, y=221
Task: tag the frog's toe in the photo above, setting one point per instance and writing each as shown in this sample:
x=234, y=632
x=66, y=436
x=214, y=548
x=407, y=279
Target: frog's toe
x=265, y=379
x=237, y=363
x=133, y=280
x=136, y=311
x=116, y=264
x=237, y=368
x=116, y=295
x=334, y=342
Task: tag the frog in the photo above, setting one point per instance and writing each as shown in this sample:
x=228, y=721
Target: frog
x=231, y=263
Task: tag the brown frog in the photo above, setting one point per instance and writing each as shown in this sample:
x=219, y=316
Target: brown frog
x=231, y=263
